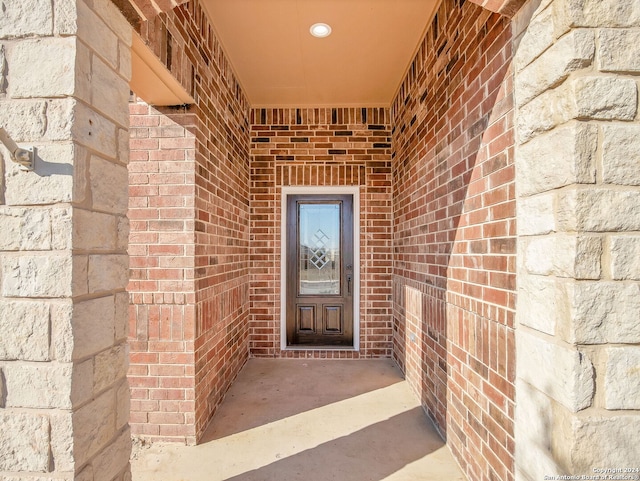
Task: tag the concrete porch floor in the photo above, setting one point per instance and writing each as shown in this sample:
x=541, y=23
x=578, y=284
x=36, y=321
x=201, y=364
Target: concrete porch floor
x=310, y=420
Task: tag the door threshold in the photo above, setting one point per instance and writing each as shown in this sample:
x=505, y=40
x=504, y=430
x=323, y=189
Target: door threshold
x=320, y=348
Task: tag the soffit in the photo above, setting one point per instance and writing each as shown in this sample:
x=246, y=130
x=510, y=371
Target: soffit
x=280, y=64
x=151, y=80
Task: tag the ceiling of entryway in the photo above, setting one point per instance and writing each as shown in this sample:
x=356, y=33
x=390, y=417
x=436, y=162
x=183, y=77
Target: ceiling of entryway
x=280, y=64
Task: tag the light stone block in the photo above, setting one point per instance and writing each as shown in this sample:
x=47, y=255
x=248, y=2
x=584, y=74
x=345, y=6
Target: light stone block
x=95, y=426
x=25, y=331
x=24, y=120
x=85, y=475
x=65, y=17
x=598, y=209
x=80, y=274
x=114, y=459
x=94, y=231
x=108, y=12
x=62, y=441
x=43, y=386
x=619, y=50
x=123, y=404
x=561, y=157
x=61, y=228
x=37, y=276
x=538, y=38
x=109, y=184
x=3, y=70
x=93, y=31
x=563, y=255
x=600, y=13
x=574, y=51
x=43, y=67
x=25, y=229
x=121, y=316
x=549, y=109
x=605, y=98
x=24, y=444
x=536, y=214
x=62, y=340
x=82, y=382
x=534, y=418
x=588, y=257
x=606, y=442
x=558, y=370
x=537, y=304
x=60, y=119
x=123, y=146
x=625, y=257
x=579, y=97
x=94, y=131
x=601, y=312
x=50, y=182
x=108, y=272
x=109, y=367
x=81, y=191
x=59, y=477
x=109, y=92
x=84, y=75
x=123, y=233
x=622, y=378
x=124, y=61
x=621, y=153
x=93, y=326
x=26, y=18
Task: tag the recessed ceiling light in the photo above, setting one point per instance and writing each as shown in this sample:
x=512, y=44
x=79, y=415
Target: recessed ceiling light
x=320, y=30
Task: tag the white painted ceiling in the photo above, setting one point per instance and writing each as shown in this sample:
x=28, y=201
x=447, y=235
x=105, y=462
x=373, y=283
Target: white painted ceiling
x=279, y=63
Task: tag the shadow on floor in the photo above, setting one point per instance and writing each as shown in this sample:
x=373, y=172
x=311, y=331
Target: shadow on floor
x=271, y=389
x=311, y=420
x=373, y=453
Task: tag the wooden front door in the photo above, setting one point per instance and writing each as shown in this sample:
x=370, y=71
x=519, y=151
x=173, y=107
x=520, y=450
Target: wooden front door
x=320, y=277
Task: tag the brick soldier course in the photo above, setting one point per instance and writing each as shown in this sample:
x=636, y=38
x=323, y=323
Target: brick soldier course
x=499, y=242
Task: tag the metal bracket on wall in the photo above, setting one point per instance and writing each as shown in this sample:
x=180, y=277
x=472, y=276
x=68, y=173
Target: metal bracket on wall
x=23, y=156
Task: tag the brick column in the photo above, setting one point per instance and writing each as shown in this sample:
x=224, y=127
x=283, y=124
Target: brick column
x=64, y=400
x=162, y=288
x=578, y=172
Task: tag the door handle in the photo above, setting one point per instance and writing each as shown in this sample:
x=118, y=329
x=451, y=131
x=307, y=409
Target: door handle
x=349, y=284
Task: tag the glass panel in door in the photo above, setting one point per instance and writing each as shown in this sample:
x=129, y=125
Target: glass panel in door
x=319, y=249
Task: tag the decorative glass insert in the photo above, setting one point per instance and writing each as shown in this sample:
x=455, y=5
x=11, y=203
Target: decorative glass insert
x=319, y=249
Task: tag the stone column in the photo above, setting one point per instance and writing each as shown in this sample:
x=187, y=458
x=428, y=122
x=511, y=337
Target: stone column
x=578, y=177
x=64, y=71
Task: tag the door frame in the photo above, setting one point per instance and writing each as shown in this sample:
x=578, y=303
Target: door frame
x=295, y=190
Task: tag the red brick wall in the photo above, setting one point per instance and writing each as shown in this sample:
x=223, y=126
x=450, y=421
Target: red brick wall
x=321, y=147
x=437, y=231
x=215, y=217
x=454, y=234
x=162, y=289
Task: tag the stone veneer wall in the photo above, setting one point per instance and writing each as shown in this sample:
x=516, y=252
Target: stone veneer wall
x=578, y=172
x=191, y=370
x=321, y=147
x=64, y=399
x=454, y=234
